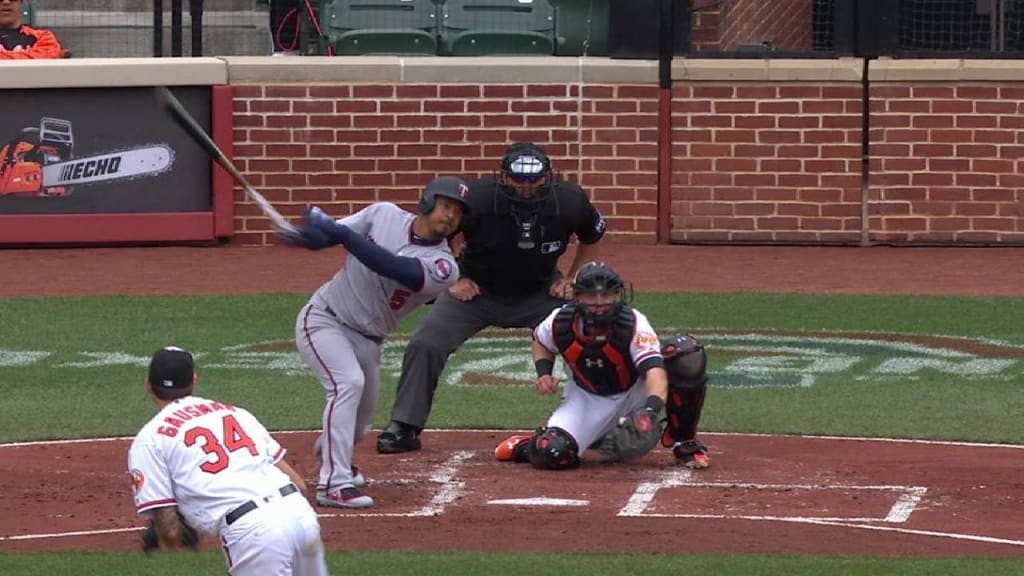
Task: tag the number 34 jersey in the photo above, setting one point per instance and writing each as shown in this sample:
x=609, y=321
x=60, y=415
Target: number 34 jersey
x=373, y=304
x=204, y=457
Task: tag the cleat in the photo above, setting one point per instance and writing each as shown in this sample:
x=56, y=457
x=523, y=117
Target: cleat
x=398, y=438
x=513, y=448
x=347, y=497
x=692, y=454
x=358, y=480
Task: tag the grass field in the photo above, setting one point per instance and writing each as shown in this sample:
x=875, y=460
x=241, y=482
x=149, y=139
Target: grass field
x=888, y=366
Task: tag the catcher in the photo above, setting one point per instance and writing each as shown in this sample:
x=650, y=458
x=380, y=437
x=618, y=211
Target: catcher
x=619, y=383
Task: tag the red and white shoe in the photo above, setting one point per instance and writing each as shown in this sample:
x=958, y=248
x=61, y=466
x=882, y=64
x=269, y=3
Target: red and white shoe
x=513, y=448
x=347, y=497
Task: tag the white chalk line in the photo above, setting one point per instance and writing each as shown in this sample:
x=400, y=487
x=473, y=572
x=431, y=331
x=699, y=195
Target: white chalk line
x=450, y=489
x=899, y=513
x=644, y=494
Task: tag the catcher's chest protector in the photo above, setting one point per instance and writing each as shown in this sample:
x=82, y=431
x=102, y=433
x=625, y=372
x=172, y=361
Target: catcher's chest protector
x=600, y=366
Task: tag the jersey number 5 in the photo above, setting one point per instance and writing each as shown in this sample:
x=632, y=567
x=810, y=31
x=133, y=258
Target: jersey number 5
x=398, y=298
x=234, y=439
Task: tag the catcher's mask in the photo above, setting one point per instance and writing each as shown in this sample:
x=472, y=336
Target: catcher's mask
x=599, y=294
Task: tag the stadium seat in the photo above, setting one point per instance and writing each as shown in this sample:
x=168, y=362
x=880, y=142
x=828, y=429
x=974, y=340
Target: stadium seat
x=28, y=15
x=395, y=27
x=581, y=26
x=497, y=27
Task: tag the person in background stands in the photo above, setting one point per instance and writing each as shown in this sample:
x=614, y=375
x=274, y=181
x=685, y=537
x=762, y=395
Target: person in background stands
x=21, y=42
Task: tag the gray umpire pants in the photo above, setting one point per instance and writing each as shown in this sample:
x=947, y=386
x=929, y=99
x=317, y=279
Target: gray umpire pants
x=448, y=324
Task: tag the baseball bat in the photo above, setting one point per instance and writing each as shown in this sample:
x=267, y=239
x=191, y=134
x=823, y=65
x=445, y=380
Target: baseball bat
x=168, y=101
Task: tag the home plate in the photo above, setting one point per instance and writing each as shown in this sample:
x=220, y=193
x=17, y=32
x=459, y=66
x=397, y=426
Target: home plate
x=540, y=502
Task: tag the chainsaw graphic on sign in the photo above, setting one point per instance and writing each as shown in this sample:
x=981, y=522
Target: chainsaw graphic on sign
x=40, y=162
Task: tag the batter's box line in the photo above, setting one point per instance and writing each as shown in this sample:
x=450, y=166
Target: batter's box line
x=449, y=490
x=906, y=503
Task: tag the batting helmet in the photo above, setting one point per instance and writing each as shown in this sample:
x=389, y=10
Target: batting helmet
x=448, y=186
x=598, y=278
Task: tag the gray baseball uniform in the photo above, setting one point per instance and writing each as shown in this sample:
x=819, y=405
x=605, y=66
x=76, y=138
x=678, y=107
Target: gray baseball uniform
x=340, y=330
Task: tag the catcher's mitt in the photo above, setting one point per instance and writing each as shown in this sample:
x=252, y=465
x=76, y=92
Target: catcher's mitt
x=635, y=436
x=178, y=535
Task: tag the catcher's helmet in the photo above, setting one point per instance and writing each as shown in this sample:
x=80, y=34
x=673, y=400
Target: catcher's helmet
x=448, y=186
x=598, y=278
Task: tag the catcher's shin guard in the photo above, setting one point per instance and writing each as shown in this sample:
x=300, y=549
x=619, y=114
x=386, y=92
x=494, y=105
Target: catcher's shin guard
x=686, y=364
x=553, y=449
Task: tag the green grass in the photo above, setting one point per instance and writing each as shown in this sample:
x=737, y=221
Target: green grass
x=501, y=564
x=63, y=396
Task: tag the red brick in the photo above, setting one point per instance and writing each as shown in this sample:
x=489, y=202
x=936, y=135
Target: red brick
x=287, y=92
x=735, y=107
x=333, y=92
x=757, y=92
x=933, y=92
x=975, y=209
x=889, y=91
x=996, y=196
x=949, y=195
x=373, y=91
x=757, y=180
x=330, y=121
x=977, y=92
x=504, y=91
x=714, y=92
x=908, y=106
x=927, y=179
x=355, y=106
x=975, y=151
x=459, y=91
x=953, y=106
x=801, y=122
x=976, y=121
x=952, y=136
x=709, y=121
x=797, y=209
x=778, y=223
x=354, y=135
x=994, y=136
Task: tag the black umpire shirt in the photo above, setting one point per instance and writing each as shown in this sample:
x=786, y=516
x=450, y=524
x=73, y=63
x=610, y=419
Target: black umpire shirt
x=491, y=256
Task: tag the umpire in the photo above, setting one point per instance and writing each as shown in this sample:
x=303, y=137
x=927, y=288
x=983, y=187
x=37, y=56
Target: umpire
x=519, y=223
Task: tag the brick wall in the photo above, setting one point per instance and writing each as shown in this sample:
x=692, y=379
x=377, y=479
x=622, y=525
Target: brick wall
x=766, y=163
x=946, y=163
x=764, y=151
x=346, y=146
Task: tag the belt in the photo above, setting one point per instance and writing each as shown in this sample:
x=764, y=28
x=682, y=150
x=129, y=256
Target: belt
x=233, y=516
x=374, y=339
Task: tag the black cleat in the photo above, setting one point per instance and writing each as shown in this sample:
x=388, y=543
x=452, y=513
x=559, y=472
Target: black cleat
x=398, y=438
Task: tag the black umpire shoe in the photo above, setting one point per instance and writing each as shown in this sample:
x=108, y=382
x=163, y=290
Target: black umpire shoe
x=398, y=437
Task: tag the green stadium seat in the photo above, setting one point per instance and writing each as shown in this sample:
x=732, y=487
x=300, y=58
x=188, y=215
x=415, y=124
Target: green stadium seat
x=395, y=27
x=28, y=15
x=581, y=26
x=497, y=27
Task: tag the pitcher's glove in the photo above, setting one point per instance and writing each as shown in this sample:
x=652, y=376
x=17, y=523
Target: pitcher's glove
x=174, y=528
x=635, y=434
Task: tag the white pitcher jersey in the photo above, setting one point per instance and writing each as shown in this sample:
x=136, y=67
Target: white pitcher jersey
x=206, y=458
x=373, y=304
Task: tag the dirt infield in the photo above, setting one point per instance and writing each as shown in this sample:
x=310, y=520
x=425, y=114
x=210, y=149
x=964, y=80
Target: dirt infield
x=763, y=494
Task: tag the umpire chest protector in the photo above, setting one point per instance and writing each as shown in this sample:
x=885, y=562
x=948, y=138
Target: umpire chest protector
x=492, y=254
x=601, y=366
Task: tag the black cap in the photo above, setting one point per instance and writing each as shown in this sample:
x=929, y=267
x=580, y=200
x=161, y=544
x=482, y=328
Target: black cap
x=525, y=158
x=171, y=369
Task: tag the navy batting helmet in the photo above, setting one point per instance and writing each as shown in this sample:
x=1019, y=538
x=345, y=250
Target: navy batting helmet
x=448, y=186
